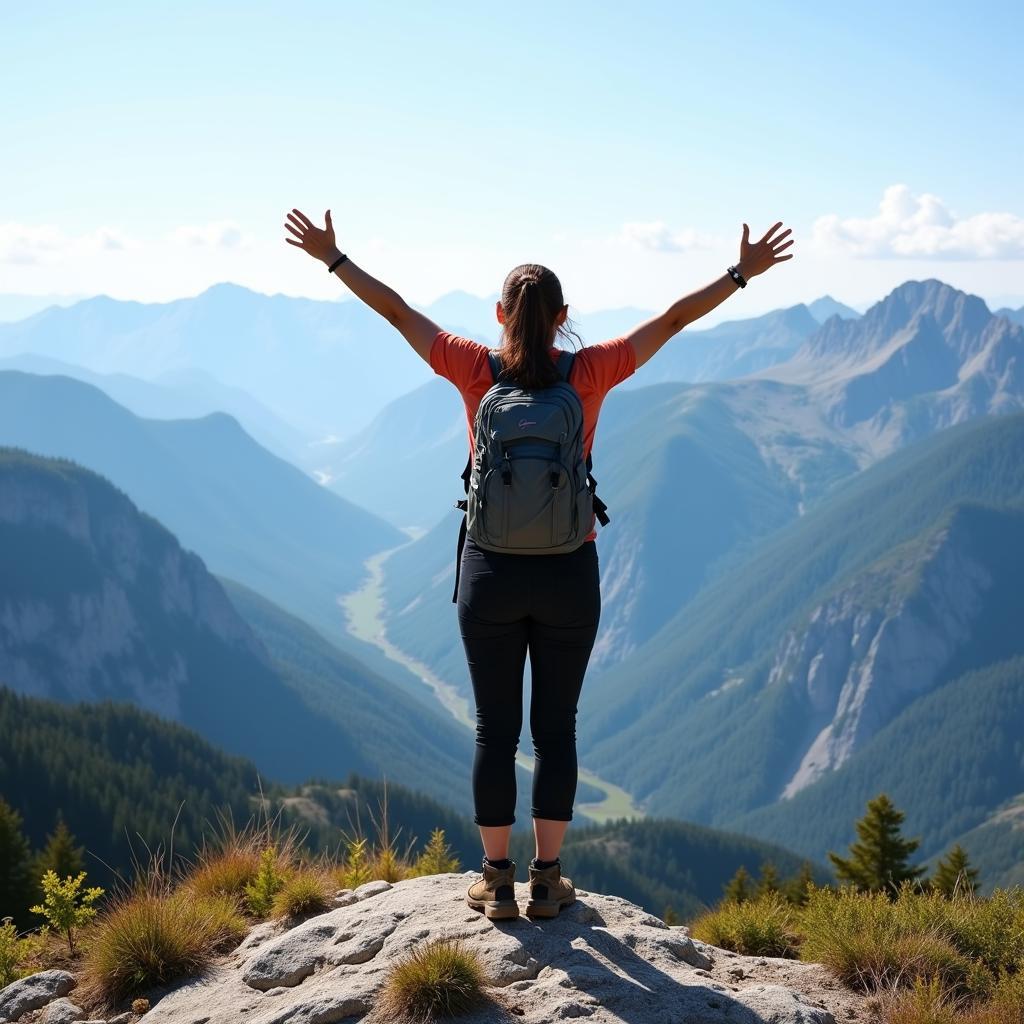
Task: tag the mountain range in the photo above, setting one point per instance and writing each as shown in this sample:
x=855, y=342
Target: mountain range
x=98, y=600
x=809, y=581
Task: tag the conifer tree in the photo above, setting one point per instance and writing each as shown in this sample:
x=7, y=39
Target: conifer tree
x=878, y=859
x=795, y=888
x=436, y=857
x=61, y=855
x=16, y=883
x=954, y=874
x=769, y=880
x=738, y=887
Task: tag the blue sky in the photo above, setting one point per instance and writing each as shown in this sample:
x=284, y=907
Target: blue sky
x=152, y=150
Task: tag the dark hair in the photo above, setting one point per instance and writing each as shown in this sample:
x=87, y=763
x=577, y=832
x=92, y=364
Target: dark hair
x=531, y=299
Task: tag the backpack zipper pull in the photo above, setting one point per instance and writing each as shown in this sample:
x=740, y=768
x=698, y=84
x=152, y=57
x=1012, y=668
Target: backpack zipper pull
x=506, y=473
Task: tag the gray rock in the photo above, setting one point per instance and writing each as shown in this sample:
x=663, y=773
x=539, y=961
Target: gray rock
x=122, y=1018
x=602, y=958
x=33, y=992
x=368, y=889
x=61, y=1011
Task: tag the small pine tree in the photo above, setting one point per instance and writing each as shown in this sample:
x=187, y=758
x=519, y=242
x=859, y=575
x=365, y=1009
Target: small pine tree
x=670, y=917
x=356, y=869
x=61, y=854
x=769, y=880
x=953, y=874
x=436, y=858
x=66, y=905
x=878, y=860
x=795, y=888
x=260, y=892
x=738, y=888
x=16, y=884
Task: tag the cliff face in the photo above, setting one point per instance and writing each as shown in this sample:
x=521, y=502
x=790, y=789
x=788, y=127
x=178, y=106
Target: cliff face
x=97, y=599
x=860, y=656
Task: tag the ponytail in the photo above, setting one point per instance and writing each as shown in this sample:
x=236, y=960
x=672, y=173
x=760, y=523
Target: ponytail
x=531, y=299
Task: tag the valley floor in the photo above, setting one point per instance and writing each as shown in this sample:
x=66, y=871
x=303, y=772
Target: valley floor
x=365, y=620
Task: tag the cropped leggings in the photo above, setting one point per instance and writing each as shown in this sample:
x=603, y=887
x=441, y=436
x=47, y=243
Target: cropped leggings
x=508, y=605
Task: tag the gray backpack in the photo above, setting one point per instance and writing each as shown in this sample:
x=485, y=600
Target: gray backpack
x=529, y=489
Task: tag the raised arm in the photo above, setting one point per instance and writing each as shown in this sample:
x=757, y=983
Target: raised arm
x=755, y=259
x=417, y=329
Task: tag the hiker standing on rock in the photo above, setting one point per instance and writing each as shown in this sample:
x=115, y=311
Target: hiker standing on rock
x=532, y=411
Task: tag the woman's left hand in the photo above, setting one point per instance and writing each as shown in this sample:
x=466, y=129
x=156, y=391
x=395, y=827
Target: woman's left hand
x=318, y=242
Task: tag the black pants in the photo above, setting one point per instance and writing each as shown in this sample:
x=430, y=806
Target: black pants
x=509, y=604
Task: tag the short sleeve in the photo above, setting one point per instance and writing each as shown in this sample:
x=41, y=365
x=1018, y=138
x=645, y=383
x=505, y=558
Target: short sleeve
x=608, y=363
x=457, y=359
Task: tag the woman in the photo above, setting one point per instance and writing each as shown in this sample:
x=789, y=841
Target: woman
x=513, y=604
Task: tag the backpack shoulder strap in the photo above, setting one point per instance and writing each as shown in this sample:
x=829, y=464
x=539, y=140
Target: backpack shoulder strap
x=564, y=363
x=495, y=360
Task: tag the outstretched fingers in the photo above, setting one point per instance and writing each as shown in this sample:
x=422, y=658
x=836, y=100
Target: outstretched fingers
x=303, y=219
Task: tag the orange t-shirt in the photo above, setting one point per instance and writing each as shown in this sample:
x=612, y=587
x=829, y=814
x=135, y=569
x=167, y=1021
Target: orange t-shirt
x=595, y=371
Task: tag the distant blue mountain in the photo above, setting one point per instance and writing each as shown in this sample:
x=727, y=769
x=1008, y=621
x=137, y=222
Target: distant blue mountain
x=252, y=516
x=821, y=309
x=325, y=367
x=176, y=395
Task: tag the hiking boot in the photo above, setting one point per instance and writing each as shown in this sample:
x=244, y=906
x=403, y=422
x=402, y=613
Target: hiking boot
x=495, y=893
x=549, y=891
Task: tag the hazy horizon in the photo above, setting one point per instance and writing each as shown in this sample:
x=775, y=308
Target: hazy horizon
x=450, y=147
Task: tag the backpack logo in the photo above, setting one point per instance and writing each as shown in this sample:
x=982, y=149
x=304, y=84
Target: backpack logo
x=523, y=424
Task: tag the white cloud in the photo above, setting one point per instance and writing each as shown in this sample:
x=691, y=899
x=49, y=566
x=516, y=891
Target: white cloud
x=41, y=244
x=657, y=236
x=223, y=234
x=920, y=227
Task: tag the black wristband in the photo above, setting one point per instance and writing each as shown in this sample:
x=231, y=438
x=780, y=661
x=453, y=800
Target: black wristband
x=337, y=263
x=737, y=277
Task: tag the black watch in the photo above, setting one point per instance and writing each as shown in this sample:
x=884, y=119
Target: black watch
x=737, y=277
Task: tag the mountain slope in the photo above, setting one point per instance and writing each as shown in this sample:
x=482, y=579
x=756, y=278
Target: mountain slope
x=785, y=665
x=251, y=516
x=951, y=761
x=727, y=350
x=98, y=600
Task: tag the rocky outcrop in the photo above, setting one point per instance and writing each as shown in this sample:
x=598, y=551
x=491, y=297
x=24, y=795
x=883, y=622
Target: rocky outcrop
x=603, y=958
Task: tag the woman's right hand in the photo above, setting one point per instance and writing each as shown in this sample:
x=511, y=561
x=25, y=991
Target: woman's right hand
x=757, y=257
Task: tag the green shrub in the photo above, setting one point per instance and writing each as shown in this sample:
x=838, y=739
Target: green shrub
x=989, y=930
x=10, y=953
x=66, y=905
x=874, y=943
x=922, y=1002
x=762, y=926
x=440, y=978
